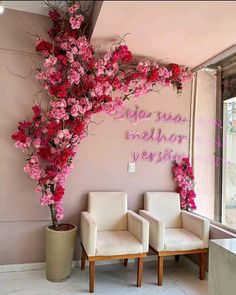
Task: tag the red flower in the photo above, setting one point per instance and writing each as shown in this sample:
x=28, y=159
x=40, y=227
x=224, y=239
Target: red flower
x=117, y=84
x=175, y=70
x=19, y=136
x=44, y=46
x=51, y=172
x=63, y=158
x=24, y=124
x=125, y=54
x=73, y=33
x=77, y=126
x=53, y=127
x=191, y=194
x=105, y=98
x=57, y=90
x=186, y=161
x=62, y=59
x=37, y=111
x=122, y=53
x=59, y=192
x=54, y=15
x=153, y=76
x=96, y=107
x=62, y=92
x=44, y=152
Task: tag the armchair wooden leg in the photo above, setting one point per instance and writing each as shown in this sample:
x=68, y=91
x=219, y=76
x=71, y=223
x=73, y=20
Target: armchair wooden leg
x=160, y=270
x=91, y=276
x=83, y=258
x=177, y=258
x=139, y=272
x=202, y=264
x=125, y=261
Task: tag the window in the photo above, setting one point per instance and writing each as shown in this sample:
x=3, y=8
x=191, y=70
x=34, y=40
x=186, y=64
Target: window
x=228, y=212
x=214, y=143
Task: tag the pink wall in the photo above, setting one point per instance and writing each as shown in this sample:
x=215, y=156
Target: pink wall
x=101, y=163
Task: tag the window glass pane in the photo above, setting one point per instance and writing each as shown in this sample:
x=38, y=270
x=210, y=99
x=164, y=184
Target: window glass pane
x=229, y=164
x=214, y=147
x=204, y=142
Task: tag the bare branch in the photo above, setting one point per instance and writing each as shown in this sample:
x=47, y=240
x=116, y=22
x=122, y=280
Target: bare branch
x=20, y=76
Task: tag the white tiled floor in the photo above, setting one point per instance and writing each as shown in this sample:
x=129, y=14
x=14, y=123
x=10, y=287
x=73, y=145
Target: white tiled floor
x=114, y=279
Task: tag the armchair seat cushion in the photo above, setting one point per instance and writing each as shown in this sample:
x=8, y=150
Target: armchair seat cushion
x=179, y=239
x=111, y=243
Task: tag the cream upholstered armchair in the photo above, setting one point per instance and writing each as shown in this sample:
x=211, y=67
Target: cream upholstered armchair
x=174, y=231
x=110, y=231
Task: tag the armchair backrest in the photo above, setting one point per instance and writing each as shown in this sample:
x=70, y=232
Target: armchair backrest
x=109, y=210
x=165, y=206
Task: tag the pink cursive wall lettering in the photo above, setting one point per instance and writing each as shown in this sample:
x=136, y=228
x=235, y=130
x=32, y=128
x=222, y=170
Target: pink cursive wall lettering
x=134, y=116
x=156, y=157
x=137, y=115
x=155, y=135
x=169, y=117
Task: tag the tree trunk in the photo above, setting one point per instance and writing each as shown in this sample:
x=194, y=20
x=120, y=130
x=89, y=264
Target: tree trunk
x=53, y=216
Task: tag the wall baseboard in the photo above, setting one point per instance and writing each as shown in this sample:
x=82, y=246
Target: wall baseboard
x=76, y=263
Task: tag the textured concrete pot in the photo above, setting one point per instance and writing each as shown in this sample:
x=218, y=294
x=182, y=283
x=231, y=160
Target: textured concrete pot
x=60, y=247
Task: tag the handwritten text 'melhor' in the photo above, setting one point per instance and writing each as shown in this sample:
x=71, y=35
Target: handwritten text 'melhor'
x=155, y=135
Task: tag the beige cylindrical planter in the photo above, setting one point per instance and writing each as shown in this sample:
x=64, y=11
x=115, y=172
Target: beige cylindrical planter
x=60, y=247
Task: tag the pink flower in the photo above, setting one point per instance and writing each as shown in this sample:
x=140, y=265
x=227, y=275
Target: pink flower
x=59, y=210
x=65, y=46
x=76, y=21
x=62, y=175
x=107, y=56
x=75, y=75
x=38, y=189
x=58, y=110
x=183, y=175
x=73, y=9
x=41, y=76
x=110, y=107
x=143, y=67
x=76, y=109
x=62, y=138
x=46, y=199
x=70, y=56
x=22, y=146
x=50, y=61
x=71, y=101
x=164, y=72
x=36, y=143
x=74, y=50
x=32, y=167
x=54, y=76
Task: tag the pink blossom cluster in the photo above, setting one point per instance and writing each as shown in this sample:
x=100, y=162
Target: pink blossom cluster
x=79, y=86
x=58, y=110
x=183, y=175
x=32, y=167
x=76, y=21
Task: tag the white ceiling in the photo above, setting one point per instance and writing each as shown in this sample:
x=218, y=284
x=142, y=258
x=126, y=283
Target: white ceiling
x=185, y=32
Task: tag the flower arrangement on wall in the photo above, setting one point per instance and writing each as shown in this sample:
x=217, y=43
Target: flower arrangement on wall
x=183, y=175
x=79, y=85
